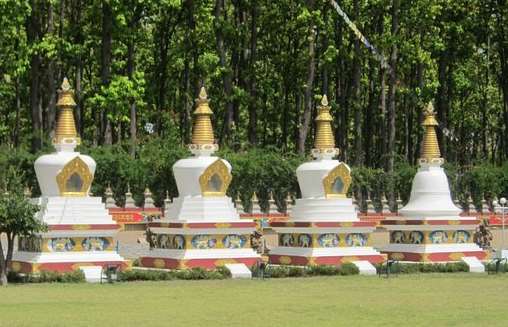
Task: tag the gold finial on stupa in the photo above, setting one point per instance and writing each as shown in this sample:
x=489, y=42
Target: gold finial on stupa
x=202, y=132
x=324, y=134
x=65, y=126
x=430, y=148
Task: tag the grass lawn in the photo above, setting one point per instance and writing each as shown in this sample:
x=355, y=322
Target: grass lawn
x=409, y=300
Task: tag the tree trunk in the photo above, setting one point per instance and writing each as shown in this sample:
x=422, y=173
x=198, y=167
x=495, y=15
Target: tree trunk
x=107, y=35
x=355, y=92
x=368, y=130
x=252, y=133
x=311, y=69
x=51, y=87
x=3, y=267
x=392, y=91
x=392, y=88
x=33, y=35
x=227, y=78
x=442, y=98
x=133, y=117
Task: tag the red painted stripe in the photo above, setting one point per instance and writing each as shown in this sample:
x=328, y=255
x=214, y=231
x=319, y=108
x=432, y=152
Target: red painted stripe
x=27, y=267
x=325, y=260
x=430, y=222
x=208, y=263
x=323, y=224
x=84, y=227
x=434, y=256
x=205, y=225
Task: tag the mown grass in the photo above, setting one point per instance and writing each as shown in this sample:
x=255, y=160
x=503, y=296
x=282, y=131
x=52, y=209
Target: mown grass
x=407, y=300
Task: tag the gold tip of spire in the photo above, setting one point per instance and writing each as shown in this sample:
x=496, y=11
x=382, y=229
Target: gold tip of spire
x=202, y=93
x=430, y=148
x=202, y=132
x=324, y=101
x=324, y=134
x=65, y=127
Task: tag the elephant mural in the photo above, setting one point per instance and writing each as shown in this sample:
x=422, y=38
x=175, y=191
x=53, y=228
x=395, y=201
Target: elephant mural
x=287, y=240
x=398, y=237
x=304, y=240
x=416, y=237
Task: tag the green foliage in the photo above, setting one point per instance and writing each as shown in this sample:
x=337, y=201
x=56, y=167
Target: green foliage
x=76, y=276
x=255, y=170
x=185, y=274
x=275, y=271
x=413, y=268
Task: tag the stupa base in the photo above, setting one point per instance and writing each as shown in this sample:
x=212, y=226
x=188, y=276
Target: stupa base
x=33, y=262
x=304, y=243
x=191, y=244
x=433, y=252
x=432, y=240
x=323, y=256
x=206, y=259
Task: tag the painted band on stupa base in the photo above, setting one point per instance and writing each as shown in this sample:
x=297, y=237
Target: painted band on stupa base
x=323, y=227
x=201, y=227
x=80, y=231
x=429, y=228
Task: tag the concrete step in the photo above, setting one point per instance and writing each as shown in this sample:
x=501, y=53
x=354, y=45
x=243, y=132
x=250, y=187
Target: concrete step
x=475, y=265
x=239, y=270
x=92, y=273
x=365, y=267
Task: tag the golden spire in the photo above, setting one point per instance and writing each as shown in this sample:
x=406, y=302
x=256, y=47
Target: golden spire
x=65, y=127
x=430, y=148
x=324, y=134
x=202, y=132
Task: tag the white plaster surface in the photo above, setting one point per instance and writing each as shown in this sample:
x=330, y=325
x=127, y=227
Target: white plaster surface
x=48, y=166
x=239, y=270
x=92, y=273
x=430, y=196
x=365, y=267
x=475, y=265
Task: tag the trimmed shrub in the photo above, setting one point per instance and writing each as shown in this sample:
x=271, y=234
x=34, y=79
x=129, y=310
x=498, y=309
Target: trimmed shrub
x=76, y=276
x=296, y=271
x=185, y=274
x=414, y=268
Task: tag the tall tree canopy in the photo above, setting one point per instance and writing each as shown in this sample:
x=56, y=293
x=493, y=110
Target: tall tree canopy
x=138, y=63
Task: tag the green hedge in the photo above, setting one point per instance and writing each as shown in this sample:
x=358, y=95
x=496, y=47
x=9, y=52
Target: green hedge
x=413, y=268
x=76, y=276
x=262, y=170
x=273, y=271
x=186, y=274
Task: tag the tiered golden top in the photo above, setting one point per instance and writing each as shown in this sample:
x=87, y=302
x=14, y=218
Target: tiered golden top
x=202, y=132
x=66, y=127
x=324, y=134
x=430, y=148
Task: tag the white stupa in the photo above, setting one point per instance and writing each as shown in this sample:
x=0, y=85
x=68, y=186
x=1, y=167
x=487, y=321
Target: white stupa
x=80, y=230
x=201, y=228
x=323, y=226
x=430, y=227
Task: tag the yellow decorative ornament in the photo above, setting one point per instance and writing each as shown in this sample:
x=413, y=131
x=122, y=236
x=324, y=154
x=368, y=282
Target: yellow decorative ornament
x=202, y=132
x=74, y=179
x=397, y=256
x=284, y=260
x=456, y=256
x=337, y=182
x=430, y=149
x=159, y=263
x=324, y=134
x=215, y=179
x=324, y=141
x=15, y=266
x=223, y=262
x=66, y=127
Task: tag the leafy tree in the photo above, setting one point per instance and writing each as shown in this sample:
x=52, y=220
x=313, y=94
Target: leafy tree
x=17, y=219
